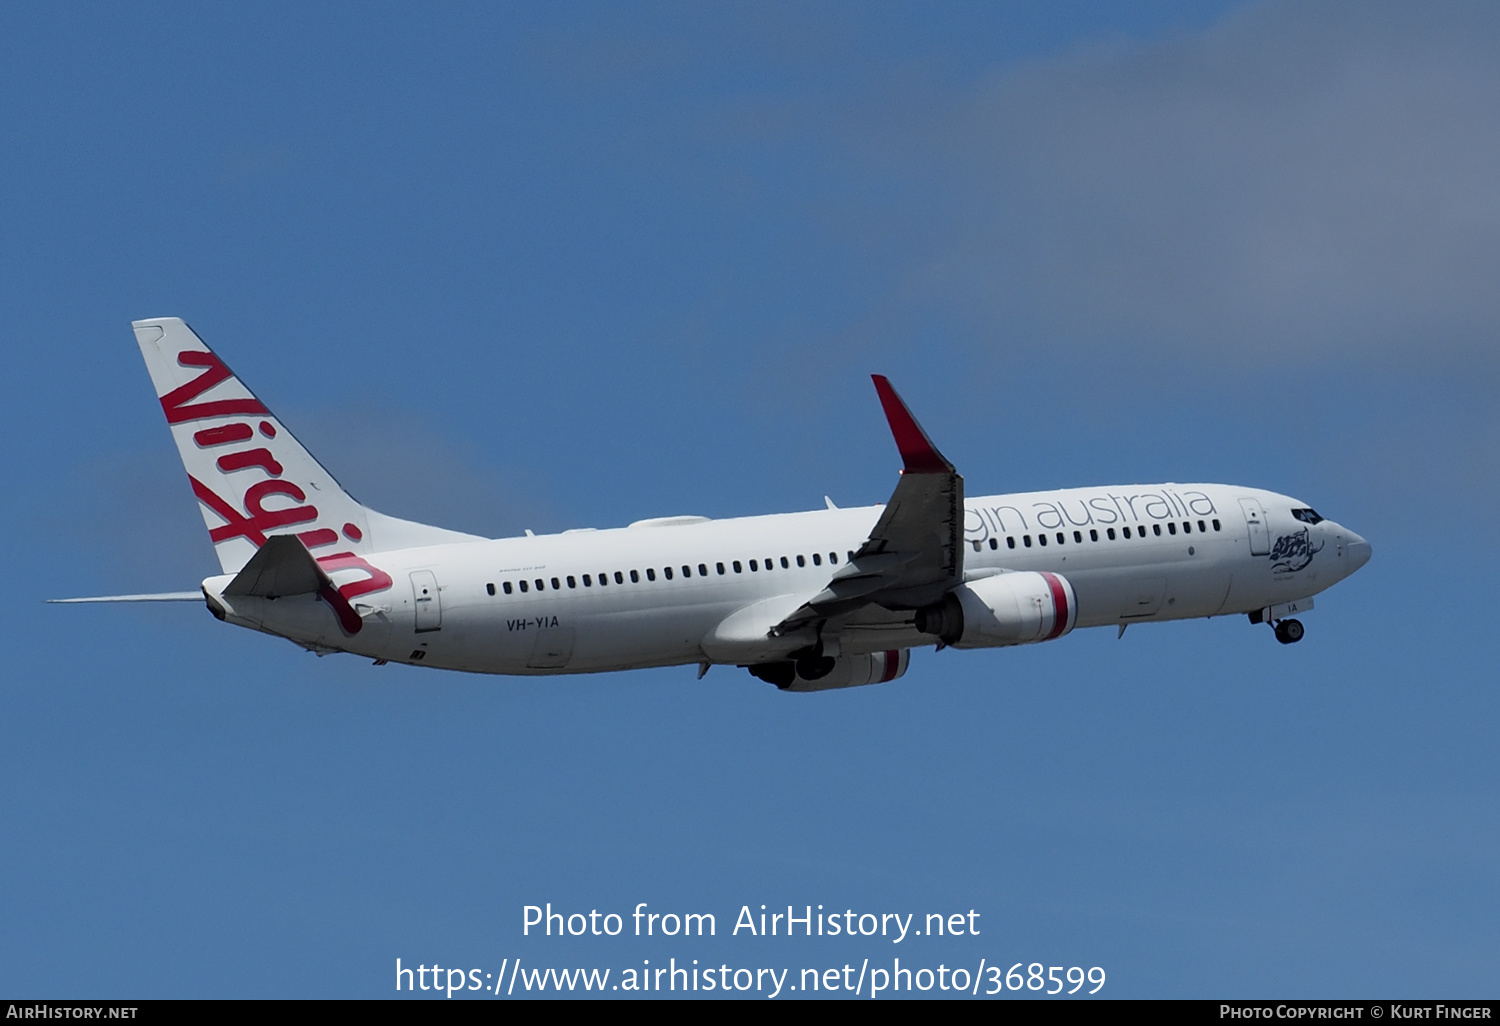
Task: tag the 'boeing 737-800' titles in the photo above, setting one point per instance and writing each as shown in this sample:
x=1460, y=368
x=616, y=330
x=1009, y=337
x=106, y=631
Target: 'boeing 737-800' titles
x=808, y=601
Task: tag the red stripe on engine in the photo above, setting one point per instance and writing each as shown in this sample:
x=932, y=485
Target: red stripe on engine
x=1059, y=605
x=892, y=665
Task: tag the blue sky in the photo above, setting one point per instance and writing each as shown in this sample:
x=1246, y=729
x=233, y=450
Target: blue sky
x=563, y=265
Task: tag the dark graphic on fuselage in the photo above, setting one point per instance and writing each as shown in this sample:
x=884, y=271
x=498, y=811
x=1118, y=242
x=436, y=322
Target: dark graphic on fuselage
x=1293, y=552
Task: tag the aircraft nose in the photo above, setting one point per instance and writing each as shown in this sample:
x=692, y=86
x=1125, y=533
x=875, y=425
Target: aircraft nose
x=1357, y=551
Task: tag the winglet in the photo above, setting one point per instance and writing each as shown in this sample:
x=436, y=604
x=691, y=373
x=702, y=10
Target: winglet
x=917, y=450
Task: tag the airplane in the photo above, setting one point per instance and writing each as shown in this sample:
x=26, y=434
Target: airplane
x=809, y=601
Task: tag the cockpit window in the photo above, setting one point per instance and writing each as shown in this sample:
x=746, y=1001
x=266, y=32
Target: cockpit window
x=1307, y=516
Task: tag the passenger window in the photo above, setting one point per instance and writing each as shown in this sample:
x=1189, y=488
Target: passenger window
x=1171, y=528
x=977, y=544
x=635, y=577
x=994, y=544
x=490, y=588
x=572, y=581
x=619, y=577
x=770, y=563
x=687, y=570
x=1078, y=536
x=703, y=569
x=651, y=573
x=1187, y=527
x=505, y=587
x=1041, y=540
x=753, y=567
x=1201, y=528
x=1109, y=532
x=588, y=582
x=1010, y=541
x=1156, y=530
x=801, y=561
x=721, y=568
x=785, y=564
x=833, y=558
x=1061, y=537
x=604, y=580
x=817, y=559
x=1126, y=531
x=736, y=565
x=1216, y=525
x=1093, y=535
x=667, y=572
x=556, y=585
x=524, y=589
x=1027, y=539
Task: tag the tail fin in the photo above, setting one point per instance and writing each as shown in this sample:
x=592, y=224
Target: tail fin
x=254, y=480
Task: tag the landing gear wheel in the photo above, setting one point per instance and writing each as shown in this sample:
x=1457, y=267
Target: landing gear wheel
x=1289, y=632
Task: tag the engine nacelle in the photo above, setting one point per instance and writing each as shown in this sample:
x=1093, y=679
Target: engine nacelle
x=823, y=673
x=1007, y=609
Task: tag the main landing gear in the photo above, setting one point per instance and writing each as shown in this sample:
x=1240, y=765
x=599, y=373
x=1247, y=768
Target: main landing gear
x=1288, y=632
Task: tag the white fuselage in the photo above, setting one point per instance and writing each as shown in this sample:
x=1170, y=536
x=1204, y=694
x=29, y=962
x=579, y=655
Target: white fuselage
x=650, y=594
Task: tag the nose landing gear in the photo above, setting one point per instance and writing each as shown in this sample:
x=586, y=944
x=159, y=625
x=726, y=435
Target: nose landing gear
x=1288, y=632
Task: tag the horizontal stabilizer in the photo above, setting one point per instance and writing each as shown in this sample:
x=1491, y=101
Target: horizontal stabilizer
x=282, y=566
x=162, y=596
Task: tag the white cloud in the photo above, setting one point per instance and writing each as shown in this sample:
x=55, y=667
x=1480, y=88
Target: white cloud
x=1320, y=179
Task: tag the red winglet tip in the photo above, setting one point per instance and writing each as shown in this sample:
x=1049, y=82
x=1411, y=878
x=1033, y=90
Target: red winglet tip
x=918, y=453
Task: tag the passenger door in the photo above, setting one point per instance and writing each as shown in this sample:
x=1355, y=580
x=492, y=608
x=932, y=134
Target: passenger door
x=1255, y=524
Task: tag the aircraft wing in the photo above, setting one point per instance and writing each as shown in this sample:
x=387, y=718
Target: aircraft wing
x=914, y=554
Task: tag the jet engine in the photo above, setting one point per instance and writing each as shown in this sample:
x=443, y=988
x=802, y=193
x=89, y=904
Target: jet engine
x=823, y=673
x=1007, y=609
